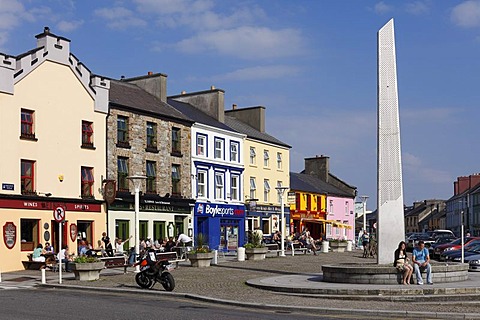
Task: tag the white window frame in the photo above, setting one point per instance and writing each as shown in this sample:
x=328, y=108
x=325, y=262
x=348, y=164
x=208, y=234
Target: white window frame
x=202, y=184
x=219, y=151
x=253, y=188
x=235, y=187
x=266, y=157
x=279, y=160
x=219, y=185
x=201, y=147
x=253, y=155
x=266, y=190
x=234, y=151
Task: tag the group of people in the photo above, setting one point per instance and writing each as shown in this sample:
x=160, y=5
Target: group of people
x=304, y=238
x=420, y=261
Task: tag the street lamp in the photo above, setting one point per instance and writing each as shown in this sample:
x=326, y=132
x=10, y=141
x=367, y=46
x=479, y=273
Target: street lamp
x=364, y=202
x=137, y=182
x=281, y=191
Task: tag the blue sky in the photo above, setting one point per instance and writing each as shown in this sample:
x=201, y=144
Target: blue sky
x=312, y=64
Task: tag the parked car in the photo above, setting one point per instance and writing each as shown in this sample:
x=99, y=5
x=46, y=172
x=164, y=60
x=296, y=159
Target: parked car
x=455, y=244
x=473, y=262
x=456, y=255
x=467, y=244
x=438, y=233
x=413, y=239
x=434, y=253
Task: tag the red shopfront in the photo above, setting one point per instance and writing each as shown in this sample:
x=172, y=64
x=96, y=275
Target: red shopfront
x=29, y=222
x=314, y=221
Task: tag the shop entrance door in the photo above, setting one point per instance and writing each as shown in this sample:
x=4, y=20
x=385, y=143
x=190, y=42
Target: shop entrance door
x=143, y=231
x=122, y=231
x=55, y=239
x=228, y=235
x=158, y=230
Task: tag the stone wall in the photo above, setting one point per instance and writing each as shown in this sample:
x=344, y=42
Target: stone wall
x=138, y=156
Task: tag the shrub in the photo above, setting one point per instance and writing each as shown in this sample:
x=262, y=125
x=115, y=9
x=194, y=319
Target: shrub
x=85, y=259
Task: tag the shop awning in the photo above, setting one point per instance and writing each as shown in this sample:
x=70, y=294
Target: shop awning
x=321, y=221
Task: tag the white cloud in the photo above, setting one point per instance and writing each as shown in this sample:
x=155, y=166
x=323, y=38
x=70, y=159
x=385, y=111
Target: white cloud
x=67, y=26
x=417, y=7
x=466, y=14
x=257, y=73
x=120, y=18
x=246, y=42
x=382, y=8
x=12, y=13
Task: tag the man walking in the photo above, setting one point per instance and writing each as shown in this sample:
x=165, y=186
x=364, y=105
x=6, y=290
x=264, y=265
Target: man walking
x=421, y=261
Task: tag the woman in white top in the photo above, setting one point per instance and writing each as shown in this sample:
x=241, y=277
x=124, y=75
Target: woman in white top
x=119, y=246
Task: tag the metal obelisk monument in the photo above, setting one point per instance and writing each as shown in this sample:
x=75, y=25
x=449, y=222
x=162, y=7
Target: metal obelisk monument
x=390, y=221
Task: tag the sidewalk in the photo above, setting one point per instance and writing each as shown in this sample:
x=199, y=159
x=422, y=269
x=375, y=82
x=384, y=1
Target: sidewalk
x=300, y=275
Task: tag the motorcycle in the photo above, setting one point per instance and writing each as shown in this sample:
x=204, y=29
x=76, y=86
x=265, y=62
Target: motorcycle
x=153, y=271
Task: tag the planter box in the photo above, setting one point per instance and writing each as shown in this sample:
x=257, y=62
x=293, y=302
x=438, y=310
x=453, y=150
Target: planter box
x=256, y=253
x=200, y=260
x=87, y=271
x=338, y=246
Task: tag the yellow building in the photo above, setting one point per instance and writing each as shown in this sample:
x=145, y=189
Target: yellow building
x=53, y=128
x=267, y=165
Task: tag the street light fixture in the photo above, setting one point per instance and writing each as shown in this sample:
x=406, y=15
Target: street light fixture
x=281, y=191
x=137, y=182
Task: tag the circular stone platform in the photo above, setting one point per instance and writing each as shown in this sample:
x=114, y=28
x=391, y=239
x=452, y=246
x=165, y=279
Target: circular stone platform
x=387, y=274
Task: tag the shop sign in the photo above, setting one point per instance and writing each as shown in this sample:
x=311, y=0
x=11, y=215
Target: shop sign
x=291, y=197
x=73, y=232
x=267, y=208
x=9, y=234
x=275, y=222
x=49, y=205
x=220, y=210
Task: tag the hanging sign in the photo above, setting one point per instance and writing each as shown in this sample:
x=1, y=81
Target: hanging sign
x=73, y=232
x=9, y=234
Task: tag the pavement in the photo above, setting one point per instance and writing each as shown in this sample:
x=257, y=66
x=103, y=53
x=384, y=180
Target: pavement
x=285, y=283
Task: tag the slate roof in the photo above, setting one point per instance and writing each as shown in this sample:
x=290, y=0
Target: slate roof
x=197, y=115
x=131, y=96
x=251, y=132
x=305, y=182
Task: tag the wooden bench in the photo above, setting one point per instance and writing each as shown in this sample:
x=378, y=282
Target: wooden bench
x=296, y=246
x=116, y=262
x=171, y=257
x=33, y=265
x=273, y=248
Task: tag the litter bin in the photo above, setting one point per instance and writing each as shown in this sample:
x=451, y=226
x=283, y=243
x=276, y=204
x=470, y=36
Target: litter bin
x=325, y=245
x=349, y=245
x=241, y=254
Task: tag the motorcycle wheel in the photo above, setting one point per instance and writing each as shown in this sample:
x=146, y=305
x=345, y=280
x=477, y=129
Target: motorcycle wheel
x=168, y=282
x=143, y=280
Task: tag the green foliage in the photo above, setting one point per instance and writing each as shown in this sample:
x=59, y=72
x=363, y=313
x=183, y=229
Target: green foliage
x=201, y=244
x=337, y=241
x=255, y=241
x=85, y=259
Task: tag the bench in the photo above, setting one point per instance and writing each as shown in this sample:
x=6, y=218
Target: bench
x=273, y=248
x=171, y=257
x=296, y=246
x=33, y=265
x=116, y=262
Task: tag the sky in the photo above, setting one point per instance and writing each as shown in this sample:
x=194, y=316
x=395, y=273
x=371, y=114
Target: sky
x=311, y=64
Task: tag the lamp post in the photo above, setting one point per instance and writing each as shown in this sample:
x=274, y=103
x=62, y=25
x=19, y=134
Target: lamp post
x=281, y=191
x=364, y=203
x=137, y=182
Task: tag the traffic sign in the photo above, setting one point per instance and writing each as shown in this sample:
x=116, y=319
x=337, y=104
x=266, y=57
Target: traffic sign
x=59, y=214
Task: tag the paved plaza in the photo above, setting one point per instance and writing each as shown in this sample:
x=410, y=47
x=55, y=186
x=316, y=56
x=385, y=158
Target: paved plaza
x=300, y=277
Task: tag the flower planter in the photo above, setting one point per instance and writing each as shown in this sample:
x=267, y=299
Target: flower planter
x=87, y=271
x=256, y=253
x=338, y=246
x=200, y=260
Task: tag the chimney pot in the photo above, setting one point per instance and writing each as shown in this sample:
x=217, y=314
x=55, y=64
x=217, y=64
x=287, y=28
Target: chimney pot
x=234, y=106
x=122, y=77
x=212, y=87
x=184, y=92
x=150, y=73
x=46, y=30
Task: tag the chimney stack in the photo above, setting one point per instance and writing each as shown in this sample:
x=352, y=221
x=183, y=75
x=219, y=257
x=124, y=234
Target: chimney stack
x=153, y=83
x=318, y=167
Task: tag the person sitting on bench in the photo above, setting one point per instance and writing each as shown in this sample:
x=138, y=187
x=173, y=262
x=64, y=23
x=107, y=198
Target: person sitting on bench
x=421, y=260
x=37, y=254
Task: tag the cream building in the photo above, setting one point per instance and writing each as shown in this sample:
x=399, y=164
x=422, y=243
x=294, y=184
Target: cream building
x=53, y=128
x=267, y=165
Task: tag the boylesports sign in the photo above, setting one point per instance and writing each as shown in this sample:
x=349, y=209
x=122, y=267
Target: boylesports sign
x=219, y=210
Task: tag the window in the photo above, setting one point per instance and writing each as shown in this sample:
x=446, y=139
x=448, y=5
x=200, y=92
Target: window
x=219, y=185
x=29, y=233
x=266, y=190
x=87, y=182
x=219, y=148
x=266, y=157
x=151, y=136
x=253, y=155
x=201, y=145
x=26, y=128
x=28, y=176
x=279, y=184
x=122, y=131
x=201, y=183
x=253, y=188
x=176, y=141
x=234, y=187
x=122, y=174
x=176, y=179
x=309, y=202
x=151, y=177
x=234, y=151
x=347, y=208
x=87, y=134
x=279, y=160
